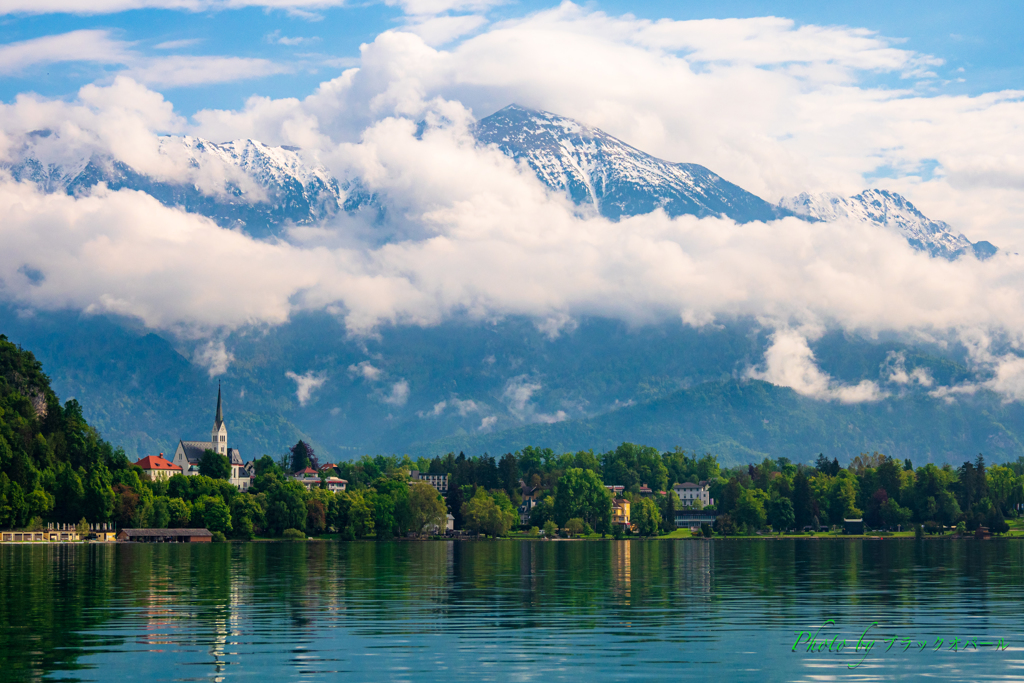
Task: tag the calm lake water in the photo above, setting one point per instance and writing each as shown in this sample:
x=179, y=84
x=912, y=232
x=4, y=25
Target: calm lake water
x=512, y=611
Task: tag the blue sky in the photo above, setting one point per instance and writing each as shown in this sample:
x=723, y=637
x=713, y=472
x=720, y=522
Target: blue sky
x=978, y=42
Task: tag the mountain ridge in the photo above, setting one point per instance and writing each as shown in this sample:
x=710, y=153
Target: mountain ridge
x=264, y=189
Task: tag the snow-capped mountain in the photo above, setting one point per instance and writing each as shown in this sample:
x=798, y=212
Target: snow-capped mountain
x=596, y=169
x=891, y=211
x=240, y=183
x=262, y=189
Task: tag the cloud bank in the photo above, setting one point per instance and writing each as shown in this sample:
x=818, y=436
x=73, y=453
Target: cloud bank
x=775, y=107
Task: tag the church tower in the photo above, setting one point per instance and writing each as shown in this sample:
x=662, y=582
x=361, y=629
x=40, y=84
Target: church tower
x=219, y=435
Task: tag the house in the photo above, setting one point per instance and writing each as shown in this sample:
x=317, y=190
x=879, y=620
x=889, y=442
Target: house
x=616, y=490
x=853, y=526
x=438, y=481
x=620, y=513
x=54, y=533
x=449, y=522
x=525, y=510
x=689, y=492
x=310, y=478
x=189, y=453
x=528, y=491
x=687, y=518
x=645, y=490
x=157, y=467
x=165, y=535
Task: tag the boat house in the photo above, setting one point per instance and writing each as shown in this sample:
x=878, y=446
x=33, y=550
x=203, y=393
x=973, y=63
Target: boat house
x=165, y=535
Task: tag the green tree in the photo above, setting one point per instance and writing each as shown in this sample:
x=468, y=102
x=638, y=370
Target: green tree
x=246, y=516
x=361, y=515
x=580, y=493
x=803, y=502
x=724, y=525
x=550, y=528
x=780, y=513
x=160, y=515
x=180, y=513
x=214, y=465
x=750, y=508
x=216, y=515
x=644, y=515
x=427, y=508
x=302, y=456
x=483, y=515
x=893, y=514
x=575, y=526
x=316, y=516
x=266, y=465
x=630, y=465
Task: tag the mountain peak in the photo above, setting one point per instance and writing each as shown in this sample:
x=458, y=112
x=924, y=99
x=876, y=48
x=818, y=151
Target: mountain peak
x=597, y=170
x=893, y=211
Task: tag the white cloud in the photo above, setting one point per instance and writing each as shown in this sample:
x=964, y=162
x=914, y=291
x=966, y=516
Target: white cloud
x=215, y=357
x=88, y=7
x=434, y=7
x=290, y=41
x=518, y=395
x=178, y=44
x=100, y=47
x=366, y=370
x=775, y=107
x=895, y=370
x=184, y=70
x=77, y=46
x=789, y=362
x=306, y=384
x=441, y=30
x=399, y=394
x=463, y=408
x=487, y=424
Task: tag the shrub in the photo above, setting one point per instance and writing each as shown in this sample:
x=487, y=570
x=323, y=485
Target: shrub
x=705, y=529
x=293, y=535
x=574, y=526
x=218, y=537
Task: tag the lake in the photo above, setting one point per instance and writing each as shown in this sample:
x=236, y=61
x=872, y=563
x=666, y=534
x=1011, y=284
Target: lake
x=513, y=611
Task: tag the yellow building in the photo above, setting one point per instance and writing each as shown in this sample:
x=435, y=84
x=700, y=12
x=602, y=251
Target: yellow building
x=620, y=512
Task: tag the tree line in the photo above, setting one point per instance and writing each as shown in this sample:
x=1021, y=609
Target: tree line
x=54, y=467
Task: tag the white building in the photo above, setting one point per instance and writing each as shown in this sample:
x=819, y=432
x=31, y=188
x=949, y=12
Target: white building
x=310, y=478
x=689, y=492
x=189, y=453
x=438, y=481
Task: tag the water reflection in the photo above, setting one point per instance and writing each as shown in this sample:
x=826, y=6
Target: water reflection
x=504, y=610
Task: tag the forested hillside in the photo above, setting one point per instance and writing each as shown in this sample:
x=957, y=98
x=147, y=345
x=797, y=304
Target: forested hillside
x=53, y=465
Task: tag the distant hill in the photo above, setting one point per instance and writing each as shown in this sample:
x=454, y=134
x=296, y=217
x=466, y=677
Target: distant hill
x=746, y=422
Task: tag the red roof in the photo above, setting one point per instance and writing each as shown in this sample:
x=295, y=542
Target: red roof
x=155, y=462
x=307, y=471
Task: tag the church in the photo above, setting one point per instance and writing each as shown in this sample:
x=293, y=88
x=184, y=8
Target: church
x=189, y=453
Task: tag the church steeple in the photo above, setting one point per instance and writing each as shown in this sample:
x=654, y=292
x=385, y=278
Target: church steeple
x=219, y=435
x=220, y=413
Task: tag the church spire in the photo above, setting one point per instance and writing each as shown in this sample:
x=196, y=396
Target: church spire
x=220, y=413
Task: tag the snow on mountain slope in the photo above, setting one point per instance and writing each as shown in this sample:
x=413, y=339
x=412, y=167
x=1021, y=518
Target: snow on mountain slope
x=891, y=211
x=598, y=170
x=240, y=183
x=263, y=189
